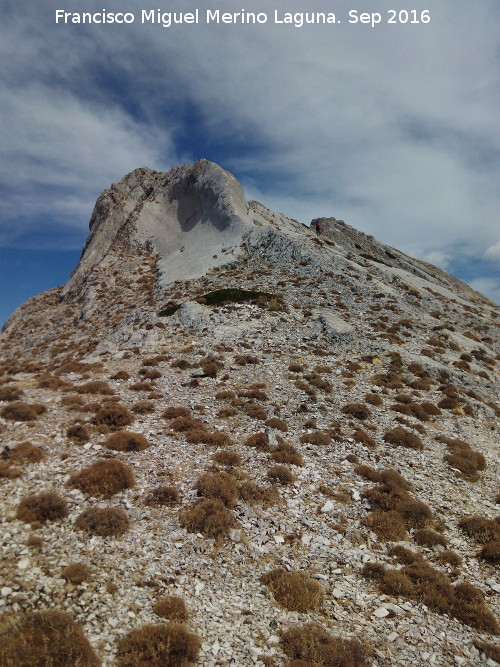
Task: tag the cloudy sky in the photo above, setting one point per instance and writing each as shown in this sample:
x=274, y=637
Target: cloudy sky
x=393, y=128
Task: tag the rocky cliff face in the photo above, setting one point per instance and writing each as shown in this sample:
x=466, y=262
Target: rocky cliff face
x=284, y=429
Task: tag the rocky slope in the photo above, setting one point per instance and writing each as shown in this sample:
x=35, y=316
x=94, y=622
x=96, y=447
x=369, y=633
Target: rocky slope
x=336, y=358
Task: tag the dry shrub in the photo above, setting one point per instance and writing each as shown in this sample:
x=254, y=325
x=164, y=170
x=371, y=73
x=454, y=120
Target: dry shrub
x=286, y=453
x=429, y=538
x=362, y=436
x=244, y=359
x=316, y=438
x=312, y=644
x=415, y=513
x=105, y=477
x=448, y=557
x=317, y=381
x=51, y=382
x=374, y=571
x=252, y=494
x=480, y=529
x=11, y=393
x=357, y=410
x=79, y=433
x=120, y=375
x=491, y=651
x=227, y=412
x=367, y=472
x=142, y=386
x=182, y=424
x=42, y=507
x=176, y=411
x=411, y=410
x=402, y=438
x=491, y=552
x=394, y=479
x=103, y=521
x=9, y=472
x=162, y=645
x=275, y=422
x=149, y=374
x=47, y=638
x=255, y=411
x=73, y=402
x=430, y=408
x=35, y=541
x=76, y=573
x=280, y=474
x=162, y=495
x=227, y=458
x=126, y=441
x=25, y=452
x=95, y=387
x=294, y=591
x=388, y=526
x=296, y=368
x=403, y=555
x=143, y=407
x=171, y=607
x=390, y=380
x=463, y=459
x=374, y=399
x=19, y=411
x=259, y=441
x=208, y=516
x=218, y=485
x=114, y=416
x=213, y=438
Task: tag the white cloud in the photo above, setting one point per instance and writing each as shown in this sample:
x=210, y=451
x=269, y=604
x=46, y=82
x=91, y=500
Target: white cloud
x=493, y=252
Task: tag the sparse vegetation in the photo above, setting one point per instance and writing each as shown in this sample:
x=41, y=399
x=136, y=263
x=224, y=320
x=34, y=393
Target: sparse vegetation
x=295, y=591
x=18, y=411
x=400, y=437
x=126, y=441
x=42, y=507
x=105, y=478
x=171, y=607
x=162, y=645
x=76, y=573
x=103, y=521
x=208, y=516
x=310, y=644
x=162, y=495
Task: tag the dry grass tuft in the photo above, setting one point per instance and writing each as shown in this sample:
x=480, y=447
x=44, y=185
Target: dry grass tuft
x=319, y=438
x=78, y=433
x=208, y=516
x=429, y=538
x=402, y=438
x=259, y=441
x=491, y=552
x=280, y=474
x=25, y=452
x=171, y=607
x=182, y=424
x=103, y=521
x=362, y=436
x=388, y=526
x=114, y=416
x=126, y=441
x=176, y=411
x=227, y=458
x=48, y=638
x=19, y=411
x=105, y=477
x=162, y=645
x=76, y=573
x=42, y=507
x=276, y=422
x=162, y=495
x=286, y=453
x=480, y=529
x=357, y=410
x=310, y=644
x=252, y=494
x=95, y=387
x=294, y=591
x=218, y=485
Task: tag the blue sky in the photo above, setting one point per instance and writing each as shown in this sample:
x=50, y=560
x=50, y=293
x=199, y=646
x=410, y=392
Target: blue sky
x=393, y=129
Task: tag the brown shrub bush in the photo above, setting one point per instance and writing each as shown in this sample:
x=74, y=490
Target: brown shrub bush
x=244, y=359
x=78, y=433
x=42, y=639
x=480, y=529
x=403, y=555
x=9, y=472
x=103, y=521
x=11, y=393
x=374, y=399
x=448, y=557
x=259, y=441
x=95, y=387
x=429, y=538
x=295, y=591
x=208, y=516
x=296, y=368
x=171, y=607
x=280, y=474
x=491, y=552
x=47, y=506
x=19, y=411
x=313, y=645
x=213, y=438
x=227, y=458
x=218, y=485
x=357, y=410
x=252, y=494
x=142, y=386
x=286, y=453
x=105, y=477
x=176, y=411
x=182, y=424
x=114, y=416
x=255, y=411
x=51, y=382
x=126, y=441
x=276, y=422
x=402, y=438
x=388, y=526
x=317, y=381
x=319, y=438
x=362, y=436
x=143, y=407
x=120, y=375
x=76, y=573
x=162, y=645
x=415, y=513
x=162, y=495
x=25, y=452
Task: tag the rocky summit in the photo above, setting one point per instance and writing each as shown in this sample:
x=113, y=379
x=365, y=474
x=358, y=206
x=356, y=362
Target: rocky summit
x=229, y=440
